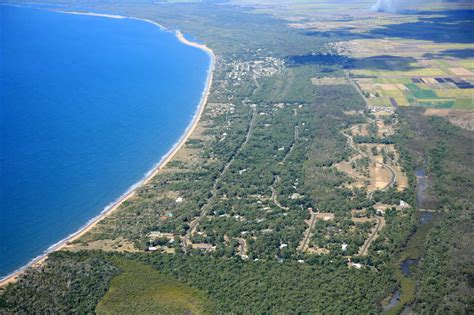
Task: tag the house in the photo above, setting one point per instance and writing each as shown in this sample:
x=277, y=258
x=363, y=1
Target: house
x=356, y=265
x=351, y=264
x=295, y=196
x=344, y=247
x=404, y=204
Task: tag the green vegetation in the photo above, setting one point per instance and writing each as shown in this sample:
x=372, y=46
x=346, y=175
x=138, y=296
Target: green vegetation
x=66, y=284
x=417, y=92
x=414, y=250
x=233, y=285
x=140, y=289
x=236, y=205
x=444, y=275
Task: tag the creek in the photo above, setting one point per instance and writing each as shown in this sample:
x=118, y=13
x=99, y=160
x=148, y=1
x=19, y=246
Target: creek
x=405, y=268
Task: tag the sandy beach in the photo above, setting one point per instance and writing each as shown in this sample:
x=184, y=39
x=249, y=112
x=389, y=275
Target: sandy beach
x=165, y=160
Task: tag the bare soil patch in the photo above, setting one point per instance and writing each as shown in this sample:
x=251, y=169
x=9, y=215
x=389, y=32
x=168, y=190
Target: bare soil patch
x=461, y=71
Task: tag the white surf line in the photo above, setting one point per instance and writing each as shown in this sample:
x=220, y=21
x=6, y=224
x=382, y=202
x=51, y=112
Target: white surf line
x=112, y=16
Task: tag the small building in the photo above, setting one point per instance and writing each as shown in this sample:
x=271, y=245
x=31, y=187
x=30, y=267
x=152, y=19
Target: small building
x=344, y=247
x=351, y=264
x=356, y=266
x=295, y=196
x=404, y=204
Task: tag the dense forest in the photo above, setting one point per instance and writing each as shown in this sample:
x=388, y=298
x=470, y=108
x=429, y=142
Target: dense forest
x=250, y=287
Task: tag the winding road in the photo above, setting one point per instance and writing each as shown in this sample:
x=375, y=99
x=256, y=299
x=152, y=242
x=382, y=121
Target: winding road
x=274, y=194
x=277, y=178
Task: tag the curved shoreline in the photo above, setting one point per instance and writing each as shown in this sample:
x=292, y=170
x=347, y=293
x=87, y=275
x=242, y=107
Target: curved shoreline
x=12, y=277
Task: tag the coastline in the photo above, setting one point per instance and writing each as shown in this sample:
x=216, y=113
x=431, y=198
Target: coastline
x=38, y=261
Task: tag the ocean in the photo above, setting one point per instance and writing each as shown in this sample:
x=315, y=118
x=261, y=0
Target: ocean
x=88, y=105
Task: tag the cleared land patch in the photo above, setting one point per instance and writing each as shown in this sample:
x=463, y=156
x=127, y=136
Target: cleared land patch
x=329, y=81
x=460, y=118
x=461, y=71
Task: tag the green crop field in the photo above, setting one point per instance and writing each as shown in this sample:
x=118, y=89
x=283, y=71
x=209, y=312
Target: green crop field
x=464, y=104
x=420, y=93
x=437, y=103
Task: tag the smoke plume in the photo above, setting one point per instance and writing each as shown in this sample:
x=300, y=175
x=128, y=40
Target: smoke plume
x=386, y=6
x=395, y=6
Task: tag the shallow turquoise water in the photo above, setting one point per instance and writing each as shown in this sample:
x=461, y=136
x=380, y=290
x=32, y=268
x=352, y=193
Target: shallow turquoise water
x=88, y=106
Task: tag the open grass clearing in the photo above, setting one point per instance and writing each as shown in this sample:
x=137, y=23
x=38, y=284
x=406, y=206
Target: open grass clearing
x=329, y=81
x=119, y=245
x=140, y=289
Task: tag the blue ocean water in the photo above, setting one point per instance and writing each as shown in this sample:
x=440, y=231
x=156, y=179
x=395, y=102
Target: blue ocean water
x=88, y=106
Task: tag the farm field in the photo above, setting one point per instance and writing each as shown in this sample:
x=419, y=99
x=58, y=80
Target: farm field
x=427, y=83
x=391, y=65
x=393, y=71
